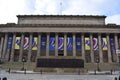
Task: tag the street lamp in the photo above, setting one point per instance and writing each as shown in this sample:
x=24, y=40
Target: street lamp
x=23, y=61
x=98, y=68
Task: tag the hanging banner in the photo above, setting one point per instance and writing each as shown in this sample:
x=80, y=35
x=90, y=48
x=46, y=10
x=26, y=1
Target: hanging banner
x=87, y=43
x=9, y=43
x=43, y=43
x=60, y=43
x=69, y=43
x=52, y=43
x=34, y=43
x=78, y=43
x=95, y=43
x=104, y=44
x=26, y=43
x=112, y=44
x=17, y=43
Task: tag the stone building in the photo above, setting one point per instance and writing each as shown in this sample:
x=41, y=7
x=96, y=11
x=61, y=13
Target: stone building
x=87, y=37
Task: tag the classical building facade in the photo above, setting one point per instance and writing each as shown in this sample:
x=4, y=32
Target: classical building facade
x=87, y=37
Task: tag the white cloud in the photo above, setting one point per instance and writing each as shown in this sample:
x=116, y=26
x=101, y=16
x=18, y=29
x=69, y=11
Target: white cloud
x=10, y=8
x=113, y=19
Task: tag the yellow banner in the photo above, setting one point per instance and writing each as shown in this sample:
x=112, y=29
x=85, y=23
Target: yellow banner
x=34, y=43
x=17, y=43
x=87, y=43
x=104, y=44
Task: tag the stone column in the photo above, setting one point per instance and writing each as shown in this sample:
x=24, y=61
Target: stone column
x=30, y=48
x=65, y=44
x=1, y=46
x=13, y=47
x=109, y=49
x=83, y=47
x=5, y=45
x=21, y=47
x=116, y=45
x=56, y=44
x=47, y=44
x=38, y=45
x=92, y=48
x=100, y=49
x=74, y=44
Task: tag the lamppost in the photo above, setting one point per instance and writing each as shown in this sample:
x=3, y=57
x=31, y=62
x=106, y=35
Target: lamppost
x=23, y=61
x=98, y=68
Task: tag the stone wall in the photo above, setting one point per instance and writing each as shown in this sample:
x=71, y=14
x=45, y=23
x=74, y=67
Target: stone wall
x=63, y=19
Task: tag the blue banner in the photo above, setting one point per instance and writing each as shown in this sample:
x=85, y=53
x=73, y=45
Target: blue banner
x=52, y=43
x=43, y=43
x=9, y=43
x=112, y=44
x=60, y=43
x=78, y=43
x=69, y=43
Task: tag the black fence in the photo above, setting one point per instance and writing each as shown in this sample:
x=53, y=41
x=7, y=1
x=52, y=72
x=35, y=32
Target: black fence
x=60, y=63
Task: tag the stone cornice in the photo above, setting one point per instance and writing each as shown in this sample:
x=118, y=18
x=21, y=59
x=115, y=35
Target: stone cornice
x=58, y=26
x=97, y=16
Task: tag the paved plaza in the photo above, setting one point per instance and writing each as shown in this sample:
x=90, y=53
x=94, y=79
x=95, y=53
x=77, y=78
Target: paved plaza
x=16, y=76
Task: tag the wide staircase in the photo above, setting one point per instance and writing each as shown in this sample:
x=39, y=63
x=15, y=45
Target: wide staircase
x=87, y=67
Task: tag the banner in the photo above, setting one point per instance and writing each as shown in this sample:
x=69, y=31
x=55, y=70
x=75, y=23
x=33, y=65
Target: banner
x=34, y=43
x=17, y=43
x=95, y=43
x=9, y=43
x=104, y=44
x=60, y=43
x=78, y=43
x=26, y=43
x=69, y=43
x=87, y=43
x=43, y=43
x=112, y=44
x=52, y=43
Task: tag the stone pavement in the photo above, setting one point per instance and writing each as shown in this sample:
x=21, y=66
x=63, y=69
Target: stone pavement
x=18, y=76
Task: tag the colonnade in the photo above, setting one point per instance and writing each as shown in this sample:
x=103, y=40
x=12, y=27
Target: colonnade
x=10, y=56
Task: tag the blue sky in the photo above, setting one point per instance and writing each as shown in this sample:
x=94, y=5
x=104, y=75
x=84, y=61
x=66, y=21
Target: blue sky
x=10, y=8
